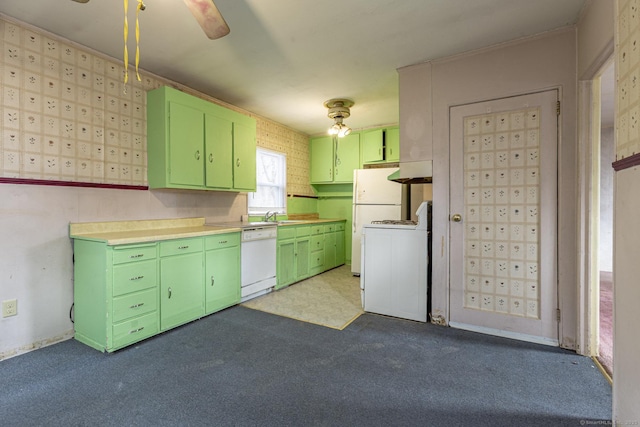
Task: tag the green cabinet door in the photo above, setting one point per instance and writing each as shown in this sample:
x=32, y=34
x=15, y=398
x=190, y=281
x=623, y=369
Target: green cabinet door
x=218, y=159
x=222, y=278
x=286, y=264
x=392, y=144
x=322, y=159
x=347, y=158
x=302, y=255
x=330, y=250
x=186, y=147
x=181, y=290
x=340, y=245
x=372, y=146
x=244, y=157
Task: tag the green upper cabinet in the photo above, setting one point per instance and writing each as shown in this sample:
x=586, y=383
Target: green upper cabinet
x=219, y=152
x=195, y=144
x=321, y=159
x=244, y=162
x=372, y=146
x=334, y=161
x=186, y=133
x=381, y=145
x=392, y=144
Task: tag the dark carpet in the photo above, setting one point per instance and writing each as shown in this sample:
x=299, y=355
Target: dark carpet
x=243, y=367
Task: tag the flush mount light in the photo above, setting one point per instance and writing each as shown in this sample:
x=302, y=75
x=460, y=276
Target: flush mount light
x=338, y=111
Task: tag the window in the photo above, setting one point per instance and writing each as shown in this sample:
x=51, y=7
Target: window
x=271, y=189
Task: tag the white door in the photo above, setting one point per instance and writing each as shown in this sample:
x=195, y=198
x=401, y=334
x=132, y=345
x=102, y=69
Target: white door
x=503, y=212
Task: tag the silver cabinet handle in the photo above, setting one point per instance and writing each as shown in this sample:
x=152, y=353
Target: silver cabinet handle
x=136, y=256
x=211, y=158
x=137, y=278
x=222, y=242
x=169, y=293
x=137, y=305
x=136, y=330
x=212, y=281
x=183, y=247
x=198, y=155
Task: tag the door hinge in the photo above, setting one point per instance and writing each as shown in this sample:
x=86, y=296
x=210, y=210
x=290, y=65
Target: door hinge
x=557, y=314
x=558, y=108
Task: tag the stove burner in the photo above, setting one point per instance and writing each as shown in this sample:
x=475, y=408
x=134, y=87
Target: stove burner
x=396, y=222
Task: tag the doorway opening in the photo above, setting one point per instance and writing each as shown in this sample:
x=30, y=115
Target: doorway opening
x=604, y=250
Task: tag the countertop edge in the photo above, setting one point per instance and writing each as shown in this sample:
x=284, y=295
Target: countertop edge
x=155, y=235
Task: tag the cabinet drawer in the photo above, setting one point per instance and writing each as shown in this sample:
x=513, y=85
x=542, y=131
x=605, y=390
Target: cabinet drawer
x=134, y=277
x=122, y=254
x=317, y=259
x=340, y=226
x=303, y=231
x=135, y=329
x=222, y=241
x=329, y=228
x=317, y=242
x=135, y=304
x=181, y=246
x=317, y=229
x=286, y=233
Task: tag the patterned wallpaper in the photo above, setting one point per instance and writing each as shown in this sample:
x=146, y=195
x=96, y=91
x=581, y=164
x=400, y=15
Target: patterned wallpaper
x=501, y=194
x=628, y=79
x=66, y=115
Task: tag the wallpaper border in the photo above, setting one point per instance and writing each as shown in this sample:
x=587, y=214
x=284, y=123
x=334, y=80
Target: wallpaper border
x=627, y=162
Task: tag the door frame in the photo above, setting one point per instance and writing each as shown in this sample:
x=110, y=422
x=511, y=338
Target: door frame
x=588, y=301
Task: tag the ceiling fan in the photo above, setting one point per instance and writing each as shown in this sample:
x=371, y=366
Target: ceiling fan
x=207, y=15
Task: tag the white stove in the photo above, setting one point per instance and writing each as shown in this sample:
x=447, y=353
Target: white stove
x=395, y=260
x=421, y=224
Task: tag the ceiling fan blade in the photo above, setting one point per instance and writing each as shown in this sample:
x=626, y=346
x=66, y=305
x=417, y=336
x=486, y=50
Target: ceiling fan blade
x=209, y=18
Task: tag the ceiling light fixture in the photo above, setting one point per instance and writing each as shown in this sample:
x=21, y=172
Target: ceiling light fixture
x=338, y=111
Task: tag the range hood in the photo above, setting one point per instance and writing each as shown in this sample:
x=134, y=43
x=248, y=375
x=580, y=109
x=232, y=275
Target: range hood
x=413, y=173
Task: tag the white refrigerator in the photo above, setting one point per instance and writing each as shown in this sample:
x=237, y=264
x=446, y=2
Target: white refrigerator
x=374, y=198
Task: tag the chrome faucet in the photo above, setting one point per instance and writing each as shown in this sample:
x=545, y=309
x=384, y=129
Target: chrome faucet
x=270, y=214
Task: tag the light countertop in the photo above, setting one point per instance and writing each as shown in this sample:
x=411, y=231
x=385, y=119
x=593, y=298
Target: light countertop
x=145, y=231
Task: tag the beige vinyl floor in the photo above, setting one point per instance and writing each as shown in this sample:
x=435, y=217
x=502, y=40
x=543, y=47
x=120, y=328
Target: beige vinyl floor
x=330, y=299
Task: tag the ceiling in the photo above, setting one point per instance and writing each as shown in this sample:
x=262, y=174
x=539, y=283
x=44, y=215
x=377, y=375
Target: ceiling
x=284, y=58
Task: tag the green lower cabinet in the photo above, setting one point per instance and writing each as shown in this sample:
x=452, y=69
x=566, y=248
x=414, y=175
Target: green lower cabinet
x=181, y=290
x=286, y=256
x=181, y=281
x=307, y=250
x=222, y=272
x=340, y=247
x=292, y=255
x=303, y=269
x=330, y=250
x=115, y=294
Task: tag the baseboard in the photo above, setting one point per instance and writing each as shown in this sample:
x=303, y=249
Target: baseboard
x=36, y=345
x=602, y=370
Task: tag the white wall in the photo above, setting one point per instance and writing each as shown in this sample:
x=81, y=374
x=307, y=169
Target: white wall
x=626, y=274
x=529, y=65
x=36, y=253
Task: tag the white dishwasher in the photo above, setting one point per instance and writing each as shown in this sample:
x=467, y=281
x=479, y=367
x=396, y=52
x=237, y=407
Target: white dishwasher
x=258, y=260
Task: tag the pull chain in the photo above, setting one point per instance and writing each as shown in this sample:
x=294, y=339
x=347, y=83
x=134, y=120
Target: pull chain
x=126, y=51
x=140, y=7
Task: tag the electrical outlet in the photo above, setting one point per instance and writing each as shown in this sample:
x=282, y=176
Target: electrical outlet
x=9, y=307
